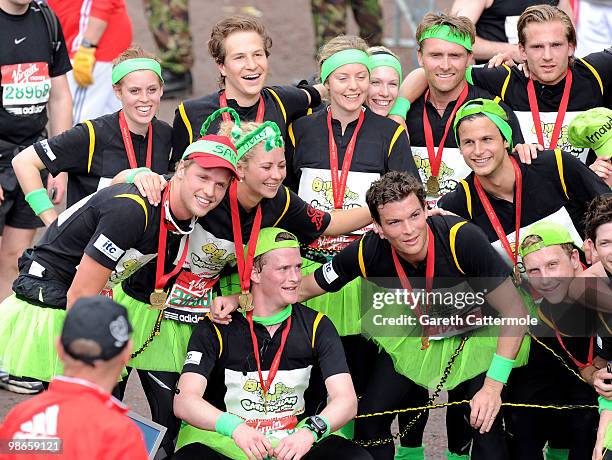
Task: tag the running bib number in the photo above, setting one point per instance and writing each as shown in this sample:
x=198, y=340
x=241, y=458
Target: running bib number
x=189, y=298
x=25, y=88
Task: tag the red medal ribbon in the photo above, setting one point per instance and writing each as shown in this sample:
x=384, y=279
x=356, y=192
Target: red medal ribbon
x=499, y=230
x=259, y=118
x=535, y=113
x=339, y=188
x=429, y=269
x=245, y=267
x=435, y=159
x=160, y=278
x=574, y=360
x=265, y=385
x=127, y=142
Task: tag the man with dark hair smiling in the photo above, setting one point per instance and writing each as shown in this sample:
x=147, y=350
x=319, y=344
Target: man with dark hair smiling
x=436, y=249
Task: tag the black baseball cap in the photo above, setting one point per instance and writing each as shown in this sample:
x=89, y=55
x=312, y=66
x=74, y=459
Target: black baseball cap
x=101, y=322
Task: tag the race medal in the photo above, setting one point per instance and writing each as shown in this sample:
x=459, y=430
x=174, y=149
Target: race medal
x=157, y=299
x=245, y=302
x=433, y=186
x=424, y=343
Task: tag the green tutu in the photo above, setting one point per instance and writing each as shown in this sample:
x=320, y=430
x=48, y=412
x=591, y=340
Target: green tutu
x=27, y=339
x=167, y=351
x=218, y=442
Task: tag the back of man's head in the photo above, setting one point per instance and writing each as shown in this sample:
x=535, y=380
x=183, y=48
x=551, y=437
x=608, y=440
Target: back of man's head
x=96, y=332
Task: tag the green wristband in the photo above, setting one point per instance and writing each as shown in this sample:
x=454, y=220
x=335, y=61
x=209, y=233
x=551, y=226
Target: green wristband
x=500, y=368
x=227, y=423
x=400, y=107
x=129, y=179
x=39, y=201
x=604, y=404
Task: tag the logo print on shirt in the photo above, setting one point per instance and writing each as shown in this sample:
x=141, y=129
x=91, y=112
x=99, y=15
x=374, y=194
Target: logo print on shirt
x=316, y=216
x=108, y=248
x=325, y=188
x=19, y=40
x=193, y=357
x=41, y=425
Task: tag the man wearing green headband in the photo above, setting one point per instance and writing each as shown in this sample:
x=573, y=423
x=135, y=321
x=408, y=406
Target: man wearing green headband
x=551, y=262
x=556, y=186
x=445, y=49
x=245, y=413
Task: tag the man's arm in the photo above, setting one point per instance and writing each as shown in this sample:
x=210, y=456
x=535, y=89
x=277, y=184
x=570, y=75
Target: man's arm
x=344, y=221
x=90, y=279
x=60, y=119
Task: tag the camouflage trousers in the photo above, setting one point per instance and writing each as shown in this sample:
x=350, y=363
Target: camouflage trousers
x=169, y=24
x=330, y=19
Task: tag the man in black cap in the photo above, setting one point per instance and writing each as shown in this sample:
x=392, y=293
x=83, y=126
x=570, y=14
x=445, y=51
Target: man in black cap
x=77, y=415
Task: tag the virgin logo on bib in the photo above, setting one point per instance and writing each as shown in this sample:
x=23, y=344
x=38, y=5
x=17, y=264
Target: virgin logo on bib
x=25, y=88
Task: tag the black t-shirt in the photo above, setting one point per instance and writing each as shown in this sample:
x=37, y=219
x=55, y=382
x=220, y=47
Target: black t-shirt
x=93, y=152
x=371, y=258
x=498, y=22
x=452, y=167
x=211, y=244
x=382, y=145
x=283, y=104
x=591, y=86
x=115, y=226
x=556, y=187
x=223, y=354
x=26, y=76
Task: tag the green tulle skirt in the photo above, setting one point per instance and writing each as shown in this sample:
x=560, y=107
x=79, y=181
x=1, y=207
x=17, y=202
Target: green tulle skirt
x=167, y=350
x=28, y=334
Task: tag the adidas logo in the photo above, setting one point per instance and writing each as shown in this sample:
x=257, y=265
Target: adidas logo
x=42, y=425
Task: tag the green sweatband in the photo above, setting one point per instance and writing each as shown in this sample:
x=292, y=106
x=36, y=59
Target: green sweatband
x=401, y=106
x=132, y=65
x=386, y=60
x=302, y=424
x=604, y=404
x=227, y=423
x=492, y=110
x=500, y=368
x=350, y=56
x=39, y=201
x=129, y=179
x=444, y=32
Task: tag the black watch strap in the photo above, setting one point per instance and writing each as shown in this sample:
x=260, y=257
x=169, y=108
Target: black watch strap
x=87, y=44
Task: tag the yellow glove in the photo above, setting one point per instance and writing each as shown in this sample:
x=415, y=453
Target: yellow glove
x=82, y=65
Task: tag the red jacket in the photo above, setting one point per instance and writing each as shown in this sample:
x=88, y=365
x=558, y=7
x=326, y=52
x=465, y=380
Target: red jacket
x=90, y=423
x=74, y=14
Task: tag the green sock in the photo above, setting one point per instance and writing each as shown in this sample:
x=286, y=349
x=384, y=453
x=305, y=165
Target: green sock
x=410, y=453
x=451, y=456
x=556, y=454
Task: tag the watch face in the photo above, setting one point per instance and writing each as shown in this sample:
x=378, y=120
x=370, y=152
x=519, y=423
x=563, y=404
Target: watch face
x=318, y=423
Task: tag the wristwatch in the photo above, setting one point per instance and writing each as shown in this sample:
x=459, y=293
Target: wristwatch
x=317, y=425
x=87, y=44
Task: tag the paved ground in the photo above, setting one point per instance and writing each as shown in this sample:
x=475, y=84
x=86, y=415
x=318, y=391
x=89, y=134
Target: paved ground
x=290, y=25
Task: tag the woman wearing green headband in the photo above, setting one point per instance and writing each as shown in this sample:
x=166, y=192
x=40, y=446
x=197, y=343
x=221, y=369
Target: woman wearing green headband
x=385, y=78
x=94, y=151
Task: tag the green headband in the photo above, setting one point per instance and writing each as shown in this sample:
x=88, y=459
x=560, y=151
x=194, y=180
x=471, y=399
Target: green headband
x=444, y=32
x=214, y=148
x=132, y=65
x=551, y=234
x=491, y=110
x=386, y=60
x=267, y=131
x=268, y=240
x=350, y=56
x=236, y=129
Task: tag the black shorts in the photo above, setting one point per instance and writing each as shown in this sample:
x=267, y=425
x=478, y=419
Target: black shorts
x=14, y=209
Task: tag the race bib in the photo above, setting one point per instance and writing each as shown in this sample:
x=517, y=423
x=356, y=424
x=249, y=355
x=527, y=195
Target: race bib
x=189, y=299
x=548, y=124
x=207, y=254
x=25, y=88
x=452, y=170
x=511, y=29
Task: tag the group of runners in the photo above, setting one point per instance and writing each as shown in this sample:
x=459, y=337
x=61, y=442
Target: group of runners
x=249, y=241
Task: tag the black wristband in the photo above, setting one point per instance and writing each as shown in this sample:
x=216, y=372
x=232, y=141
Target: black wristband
x=315, y=96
